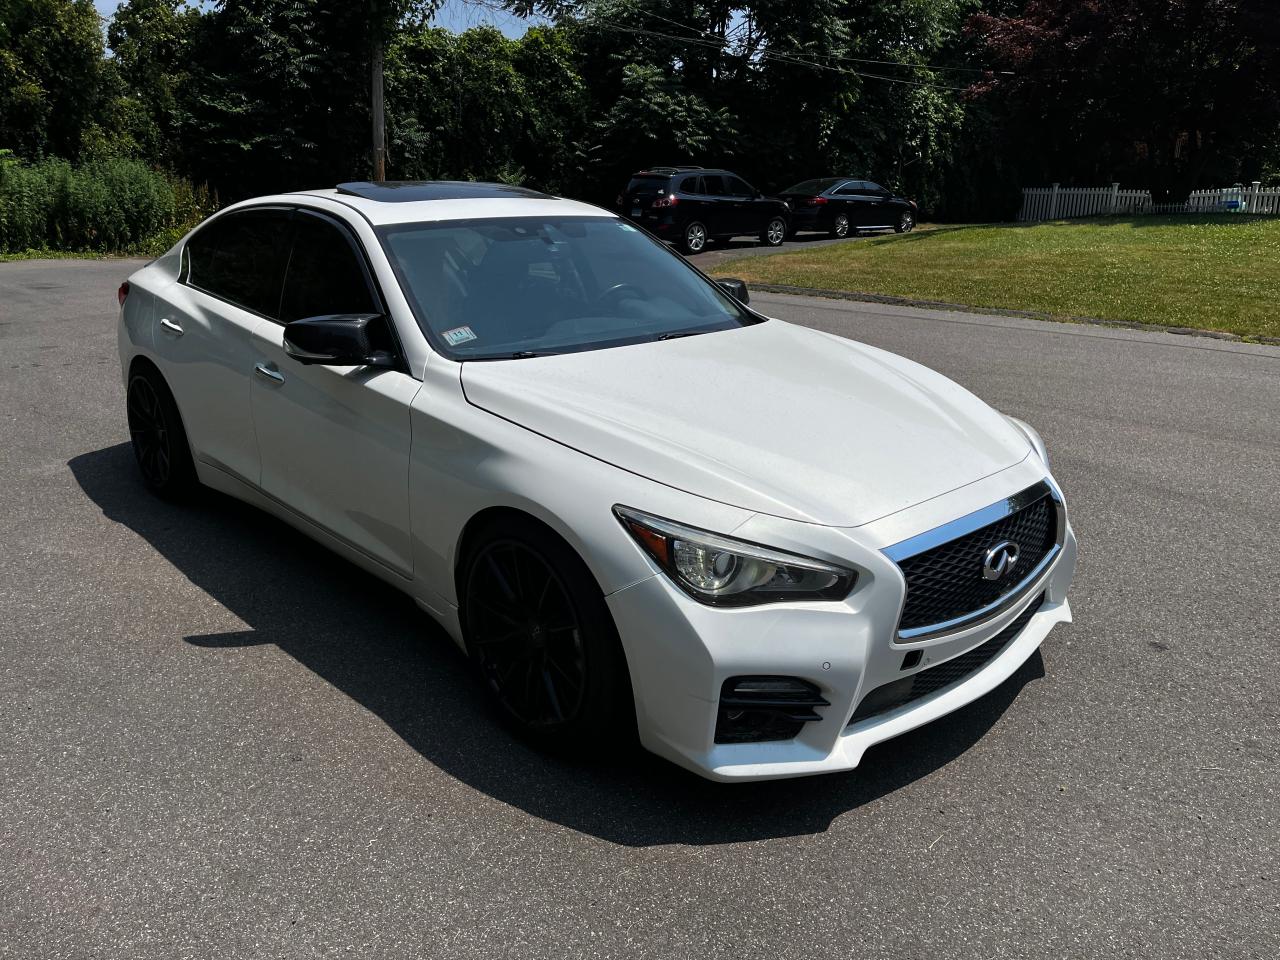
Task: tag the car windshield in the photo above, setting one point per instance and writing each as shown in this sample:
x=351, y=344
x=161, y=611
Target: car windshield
x=815, y=186
x=517, y=287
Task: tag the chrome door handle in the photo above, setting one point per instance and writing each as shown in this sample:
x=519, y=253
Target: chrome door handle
x=171, y=326
x=275, y=376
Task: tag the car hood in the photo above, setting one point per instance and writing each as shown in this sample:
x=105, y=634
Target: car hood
x=772, y=417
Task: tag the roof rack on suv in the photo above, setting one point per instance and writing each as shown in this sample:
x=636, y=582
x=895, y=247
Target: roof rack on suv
x=410, y=191
x=668, y=169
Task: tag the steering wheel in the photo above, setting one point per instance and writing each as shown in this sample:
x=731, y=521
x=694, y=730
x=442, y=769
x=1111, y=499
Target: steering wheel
x=619, y=288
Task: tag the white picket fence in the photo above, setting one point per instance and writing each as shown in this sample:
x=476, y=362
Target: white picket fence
x=1054, y=203
x=1254, y=198
x=1057, y=203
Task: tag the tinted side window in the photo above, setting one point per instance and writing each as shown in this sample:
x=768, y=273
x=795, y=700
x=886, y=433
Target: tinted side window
x=240, y=258
x=738, y=187
x=874, y=187
x=325, y=273
x=850, y=189
x=691, y=185
x=714, y=185
x=198, y=256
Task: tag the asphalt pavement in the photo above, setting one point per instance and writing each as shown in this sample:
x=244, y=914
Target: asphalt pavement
x=217, y=740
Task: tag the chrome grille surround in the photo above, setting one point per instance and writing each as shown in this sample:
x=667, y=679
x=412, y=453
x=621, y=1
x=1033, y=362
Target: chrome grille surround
x=923, y=545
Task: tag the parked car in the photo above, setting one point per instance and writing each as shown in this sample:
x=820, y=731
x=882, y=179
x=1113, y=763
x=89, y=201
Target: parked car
x=690, y=206
x=567, y=445
x=842, y=205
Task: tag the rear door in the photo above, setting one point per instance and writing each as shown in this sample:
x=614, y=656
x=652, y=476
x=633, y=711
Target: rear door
x=232, y=270
x=335, y=440
x=718, y=210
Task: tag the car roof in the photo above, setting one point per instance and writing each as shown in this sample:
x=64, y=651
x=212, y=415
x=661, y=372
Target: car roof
x=413, y=201
x=676, y=171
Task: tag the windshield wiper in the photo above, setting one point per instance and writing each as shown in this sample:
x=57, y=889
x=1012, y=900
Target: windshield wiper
x=518, y=355
x=681, y=333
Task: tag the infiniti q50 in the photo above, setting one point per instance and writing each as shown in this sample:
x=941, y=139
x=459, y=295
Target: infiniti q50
x=638, y=505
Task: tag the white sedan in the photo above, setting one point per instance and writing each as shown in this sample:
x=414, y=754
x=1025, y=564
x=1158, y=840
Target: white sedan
x=639, y=506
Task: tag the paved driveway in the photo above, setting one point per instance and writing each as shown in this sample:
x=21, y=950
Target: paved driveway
x=218, y=741
x=721, y=250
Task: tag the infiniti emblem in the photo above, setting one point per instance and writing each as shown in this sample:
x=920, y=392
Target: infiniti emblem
x=1000, y=560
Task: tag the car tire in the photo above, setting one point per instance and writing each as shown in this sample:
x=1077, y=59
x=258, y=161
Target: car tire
x=841, y=227
x=775, y=231
x=906, y=222
x=695, y=237
x=541, y=638
x=159, y=440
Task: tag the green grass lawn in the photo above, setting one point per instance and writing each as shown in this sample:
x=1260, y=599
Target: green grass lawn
x=1220, y=273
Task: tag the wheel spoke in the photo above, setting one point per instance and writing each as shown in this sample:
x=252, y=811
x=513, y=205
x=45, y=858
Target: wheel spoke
x=495, y=641
x=550, y=687
x=501, y=578
x=569, y=678
x=526, y=635
x=500, y=614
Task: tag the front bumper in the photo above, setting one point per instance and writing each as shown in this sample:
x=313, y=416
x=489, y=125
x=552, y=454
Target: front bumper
x=680, y=653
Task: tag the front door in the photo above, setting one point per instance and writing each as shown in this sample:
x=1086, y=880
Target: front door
x=334, y=440
x=746, y=217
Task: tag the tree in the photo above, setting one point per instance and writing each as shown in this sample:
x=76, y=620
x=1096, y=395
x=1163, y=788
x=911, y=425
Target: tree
x=150, y=42
x=50, y=69
x=276, y=95
x=1163, y=93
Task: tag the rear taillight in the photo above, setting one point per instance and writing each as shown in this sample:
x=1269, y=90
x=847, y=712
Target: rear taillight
x=815, y=201
x=670, y=200
x=122, y=292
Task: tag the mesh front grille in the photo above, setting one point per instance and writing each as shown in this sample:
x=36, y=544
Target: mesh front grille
x=946, y=582
x=894, y=694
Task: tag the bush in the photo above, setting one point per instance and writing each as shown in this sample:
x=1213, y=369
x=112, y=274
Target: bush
x=111, y=205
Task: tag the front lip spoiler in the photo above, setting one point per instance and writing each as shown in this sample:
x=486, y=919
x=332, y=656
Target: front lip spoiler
x=968, y=524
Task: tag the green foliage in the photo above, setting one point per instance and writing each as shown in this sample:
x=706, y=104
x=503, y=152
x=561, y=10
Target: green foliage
x=50, y=59
x=478, y=105
x=106, y=205
x=151, y=43
x=254, y=96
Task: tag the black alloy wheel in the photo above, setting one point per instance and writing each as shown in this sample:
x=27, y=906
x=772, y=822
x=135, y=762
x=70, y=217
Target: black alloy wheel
x=538, y=631
x=159, y=441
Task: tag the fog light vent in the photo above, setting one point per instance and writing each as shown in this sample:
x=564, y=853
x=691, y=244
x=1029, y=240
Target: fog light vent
x=757, y=709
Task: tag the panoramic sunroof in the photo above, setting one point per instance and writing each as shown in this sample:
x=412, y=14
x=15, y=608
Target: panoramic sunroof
x=410, y=191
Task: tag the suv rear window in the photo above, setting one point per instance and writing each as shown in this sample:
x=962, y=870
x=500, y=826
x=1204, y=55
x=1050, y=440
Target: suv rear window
x=653, y=184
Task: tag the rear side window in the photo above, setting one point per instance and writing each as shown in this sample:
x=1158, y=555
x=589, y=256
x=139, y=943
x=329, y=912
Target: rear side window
x=713, y=184
x=691, y=185
x=850, y=189
x=240, y=258
x=326, y=273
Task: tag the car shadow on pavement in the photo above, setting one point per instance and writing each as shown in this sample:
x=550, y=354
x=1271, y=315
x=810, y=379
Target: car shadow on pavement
x=371, y=642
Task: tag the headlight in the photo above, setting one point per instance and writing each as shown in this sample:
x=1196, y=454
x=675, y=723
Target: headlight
x=1030, y=433
x=725, y=572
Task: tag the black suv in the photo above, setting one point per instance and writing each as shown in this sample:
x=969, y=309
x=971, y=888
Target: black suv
x=843, y=205
x=690, y=205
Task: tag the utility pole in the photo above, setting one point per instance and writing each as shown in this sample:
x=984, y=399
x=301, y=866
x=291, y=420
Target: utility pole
x=379, y=125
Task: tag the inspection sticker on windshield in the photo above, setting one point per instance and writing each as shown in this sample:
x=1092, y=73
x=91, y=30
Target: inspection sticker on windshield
x=458, y=335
